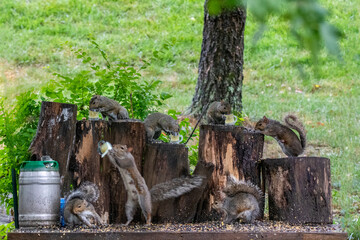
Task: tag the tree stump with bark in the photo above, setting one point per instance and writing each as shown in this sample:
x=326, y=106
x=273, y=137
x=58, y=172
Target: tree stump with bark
x=162, y=163
x=233, y=150
x=87, y=165
x=299, y=189
x=55, y=137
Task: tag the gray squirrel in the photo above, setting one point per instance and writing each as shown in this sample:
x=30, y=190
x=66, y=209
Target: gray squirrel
x=137, y=191
x=78, y=208
x=108, y=108
x=289, y=142
x=239, y=200
x=216, y=111
x=156, y=122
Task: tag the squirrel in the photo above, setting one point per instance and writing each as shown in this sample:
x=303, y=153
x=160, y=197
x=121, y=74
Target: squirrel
x=287, y=139
x=137, y=191
x=78, y=208
x=156, y=122
x=108, y=108
x=239, y=200
x=216, y=111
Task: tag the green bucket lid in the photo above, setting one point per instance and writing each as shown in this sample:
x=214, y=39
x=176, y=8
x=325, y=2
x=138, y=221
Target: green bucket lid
x=29, y=166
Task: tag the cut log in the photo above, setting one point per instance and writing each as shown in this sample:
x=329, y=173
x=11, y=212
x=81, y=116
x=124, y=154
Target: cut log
x=194, y=202
x=233, y=150
x=55, y=137
x=86, y=164
x=299, y=189
x=162, y=163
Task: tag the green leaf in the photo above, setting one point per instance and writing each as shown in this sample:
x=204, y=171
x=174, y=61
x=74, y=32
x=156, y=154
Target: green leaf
x=165, y=95
x=86, y=60
x=51, y=94
x=214, y=7
x=330, y=35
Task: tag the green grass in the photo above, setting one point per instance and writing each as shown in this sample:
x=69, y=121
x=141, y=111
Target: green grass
x=32, y=36
x=33, y=33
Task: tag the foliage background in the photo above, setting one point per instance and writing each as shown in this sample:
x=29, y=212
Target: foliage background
x=280, y=76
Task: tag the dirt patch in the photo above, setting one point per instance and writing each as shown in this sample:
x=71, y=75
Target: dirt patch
x=15, y=79
x=9, y=74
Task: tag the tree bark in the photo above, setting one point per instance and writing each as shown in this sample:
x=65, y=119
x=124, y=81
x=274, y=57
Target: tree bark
x=192, y=202
x=163, y=162
x=233, y=150
x=55, y=137
x=299, y=189
x=86, y=164
x=221, y=61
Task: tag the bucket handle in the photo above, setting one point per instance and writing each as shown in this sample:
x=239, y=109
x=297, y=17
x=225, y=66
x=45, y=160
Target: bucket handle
x=47, y=164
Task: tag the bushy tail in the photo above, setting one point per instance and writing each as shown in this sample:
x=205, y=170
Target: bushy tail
x=87, y=190
x=298, y=126
x=175, y=188
x=235, y=186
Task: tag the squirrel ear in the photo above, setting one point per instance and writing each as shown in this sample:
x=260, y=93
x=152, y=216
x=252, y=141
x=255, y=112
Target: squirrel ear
x=222, y=101
x=129, y=149
x=265, y=119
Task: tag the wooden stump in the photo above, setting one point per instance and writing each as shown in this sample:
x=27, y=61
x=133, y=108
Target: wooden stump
x=233, y=150
x=194, y=203
x=86, y=164
x=55, y=137
x=163, y=162
x=299, y=189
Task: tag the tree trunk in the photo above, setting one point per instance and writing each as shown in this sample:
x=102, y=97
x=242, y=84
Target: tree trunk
x=299, y=189
x=221, y=61
x=233, y=150
x=55, y=137
x=86, y=164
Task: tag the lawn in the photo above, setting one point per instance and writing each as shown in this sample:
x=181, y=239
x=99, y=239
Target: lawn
x=279, y=76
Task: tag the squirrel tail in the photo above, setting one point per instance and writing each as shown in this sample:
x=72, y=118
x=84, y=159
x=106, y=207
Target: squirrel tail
x=298, y=126
x=175, y=188
x=235, y=186
x=87, y=190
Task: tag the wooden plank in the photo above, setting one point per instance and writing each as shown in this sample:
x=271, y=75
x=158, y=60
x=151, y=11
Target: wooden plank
x=322, y=236
x=175, y=235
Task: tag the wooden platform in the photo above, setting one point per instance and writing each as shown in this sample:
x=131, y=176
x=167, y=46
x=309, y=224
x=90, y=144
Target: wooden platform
x=210, y=230
x=174, y=235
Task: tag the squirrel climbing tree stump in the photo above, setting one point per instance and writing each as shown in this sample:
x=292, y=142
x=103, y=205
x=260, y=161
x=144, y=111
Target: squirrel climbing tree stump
x=162, y=163
x=55, y=137
x=86, y=164
x=233, y=150
x=299, y=189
